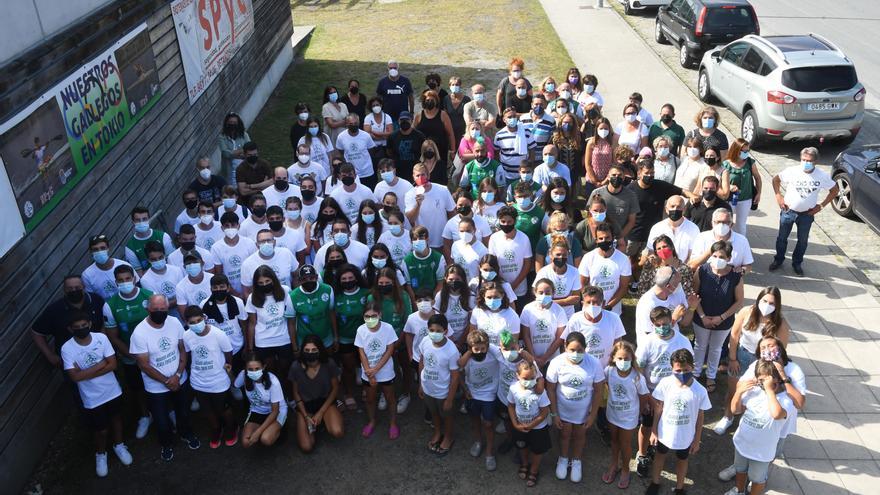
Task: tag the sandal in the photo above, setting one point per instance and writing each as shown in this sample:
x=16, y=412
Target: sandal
x=609, y=476
x=623, y=482
x=367, y=431
x=393, y=432
x=532, y=480
x=710, y=385
x=433, y=446
x=350, y=404
x=523, y=471
x=443, y=451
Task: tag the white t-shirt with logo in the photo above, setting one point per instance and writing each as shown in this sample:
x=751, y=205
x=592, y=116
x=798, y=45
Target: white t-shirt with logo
x=468, y=256
x=261, y=398
x=605, y=273
x=432, y=214
x=802, y=189
x=189, y=293
x=681, y=408
x=163, y=283
x=232, y=257
x=161, y=346
x=350, y=202
x=103, y=282
x=207, y=238
x=231, y=327
x=542, y=324
x=649, y=301
x=511, y=254
x=798, y=380
x=271, y=326
x=481, y=377
x=599, y=335
x=249, y=228
x=438, y=365
x=456, y=317
x=292, y=239
x=274, y=197
x=653, y=356
x=507, y=376
x=527, y=404
x=282, y=262
x=574, y=386
x=563, y=285
x=474, y=286
x=310, y=212
x=296, y=173
x=356, y=150
x=399, y=246
x=416, y=326
x=374, y=345
x=758, y=433
x=400, y=189
x=493, y=322
x=622, y=407
x=100, y=389
x=683, y=236
x=207, y=360
x=357, y=254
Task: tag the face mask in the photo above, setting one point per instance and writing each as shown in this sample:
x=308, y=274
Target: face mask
x=198, y=327
x=565, y=95
x=603, y=133
x=303, y=116
x=368, y=218
x=101, y=257
x=708, y=122
x=265, y=289
x=808, y=166
x=711, y=160
x=125, y=287
x=475, y=133
x=253, y=159
x=464, y=210
x=455, y=89
x=405, y=125
x=82, y=332
x=379, y=263
x=675, y=215
x=292, y=214
x=664, y=253
x=510, y=355
x=193, y=269
x=467, y=237
x=424, y=307
x=349, y=285
x=352, y=128
x=219, y=294
x=229, y=203
x=770, y=354
x=479, y=97
x=528, y=384
x=259, y=211
x=524, y=202
x=525, y=177
x=560, y=262
x=436, y=336
x=663, y=152
x=743, y=155
x=623, y=364
x=605, y=245
x=488, y=275
x=550, y=160
x=592, y=311
x=158, y=317
x=506, y=228
x=191, y=204
x=371, y=321
x=333, y=97
x=75, y=296
x=347, y=180
x=488, y=197
x=267, y=249
x=478, y=356
x=589, y=88
x=310, y=286
x=420, y=245
x=303, y=159
x=575, y=357
x=562, y=110
x=141, y=227
x=566, y=126
x=308, y=194
x=710, y=195
x=276, y=225
x=666, y=119
x=423, y=179
x=647, y=180
x=230, y=233
x=721, y=229
x=516, y=74
x=664, y=330
x=205, y=173
x=313, y=131
x=158, y=265
x=545, y=299
x=393, y=72
x=430, y=104
x=684, y=377
x=549, y=87
x=512, y=122
x=766, y=308
x=206, y=219
x=693, y=152
x=493, y=303
x=630, y=117
x=309, y=357
x=187, y=245
x=255, y=375
x=538, y=109
x=598, y=216
x=396, y=228
x=718, y=263
x=387, y=176
x=340, y=238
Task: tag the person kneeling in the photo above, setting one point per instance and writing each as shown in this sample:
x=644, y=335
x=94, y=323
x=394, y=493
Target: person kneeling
x=315, y=381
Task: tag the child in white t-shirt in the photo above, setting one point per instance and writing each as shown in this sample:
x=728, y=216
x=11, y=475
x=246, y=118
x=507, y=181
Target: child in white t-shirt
x=481, y=366
x=438, y=381
x=680, y=403
x=376, y=341
x=529, y=409
x=268, y=409
x=416, y=327
x=542, y=322
x=627, y=397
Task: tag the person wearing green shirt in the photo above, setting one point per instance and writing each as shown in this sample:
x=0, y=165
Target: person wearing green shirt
x=351, y=298
x=135, y=252
x=526, y=173
x=479, y=168
x=313, y=308
x=396, y=307
x=530, y=216
x=667, y=126
x=424, y=265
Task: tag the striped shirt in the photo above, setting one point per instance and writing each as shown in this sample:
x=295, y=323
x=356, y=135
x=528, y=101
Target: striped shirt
x=510, y=161
x=541, y=129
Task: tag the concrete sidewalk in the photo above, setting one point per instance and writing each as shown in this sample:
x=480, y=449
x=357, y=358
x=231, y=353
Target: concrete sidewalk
x=837, y=447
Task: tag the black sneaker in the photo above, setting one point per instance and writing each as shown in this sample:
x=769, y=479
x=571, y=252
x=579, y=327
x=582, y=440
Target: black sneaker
x=798, y=270
x=192, y=442
x=643, y=466
x=775, y=265
x=167, y=454
x=653, y=489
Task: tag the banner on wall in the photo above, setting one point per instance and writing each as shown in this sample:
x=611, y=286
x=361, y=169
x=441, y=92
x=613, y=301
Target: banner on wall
x=48, y=147
x=209, y=33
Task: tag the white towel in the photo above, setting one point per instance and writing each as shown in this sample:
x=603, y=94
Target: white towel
x=520, y=144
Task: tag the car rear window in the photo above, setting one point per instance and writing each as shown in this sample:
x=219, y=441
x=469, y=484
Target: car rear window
x=721, y=17
x=816, y=79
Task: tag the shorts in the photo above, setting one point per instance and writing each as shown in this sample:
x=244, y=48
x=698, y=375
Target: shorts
x=681, y=454
x=133, y=378
x=745, y=359
x=346, y=349
x=314, y=405
x=635, y=248
x=217, y=402
x=98, y=418
x=386, y=383
x=435, y=406
x=258, y=418
x=647, y=420
x=537, y=441
x=279, y=353
x=237, y=362
x=757, y=470
x=483, y=408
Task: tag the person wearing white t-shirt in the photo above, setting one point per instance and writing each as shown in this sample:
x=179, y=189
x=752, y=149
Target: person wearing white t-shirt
x=429, y=205
x=741, y=257
x=98, y=277
x=355, y=145
x=464, y=210
x=376, y=342
x=564, y=277
x=529, y=410
x=513, y=249
x=319, y=143
x=395, y=236
x=190, y=213
x=680, y=403
x=157, y=345
x=551, y=168
x=268, y=409
x=90, y=360
x=229, y=204
x=600, y=327
x=350, y=194
x=665, y=292
x=438, y=381
x=800, y=205
x=390, y=181
x=277, y=193
x=305, y=167
x=210, y=355
x=575, y=382
x=378, y=123
x=627, y=398
x=493, y=314
x=481, y=367
x=230, y=253
x=416, y=327
x=468, y=249
x=293, y=240
x=187, y=241
x=279, y=259
x=454, y=301
x=195, y=287
x=356, y=253
x=311, y=201
x=227, y=313
x=682, y=231
x=607, y=268
x=208, y=231
x=257, y=220
x=541, y=323
x=161, y=277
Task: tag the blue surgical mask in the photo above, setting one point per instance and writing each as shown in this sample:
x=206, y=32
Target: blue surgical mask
x=313, y=131
x=292, y=214
x=419, y=245
x=198, y=327
x=267, y=249
x=546, y=299
x=575, y=357
x=528, y=384
x=524, y=203
x=142, y=227
x=396, y=228
x=557, y=198
x=333, y=97
x=193, y=269
x=340, y=238
x=510, y=355
x=550, y=160
x=549, y=87
x=623, y=364
x=479, y=97
x=475, y=133
x=743, y=155
x=808, y=166
x=436, y=336
x=125, y=287
x=488, y=275
x=388, y=176
x=368, y=217
x=493, y=303
x=708, y=122
x=589, y=88
x=379, y=263
x=525, y=177
x=599, y=216
x=512, y=122
x=488, y=196
x=255, y=375
x=683, y=377
x=158, y=264
x=229, y=203
x=101, y=257
x=663, y=152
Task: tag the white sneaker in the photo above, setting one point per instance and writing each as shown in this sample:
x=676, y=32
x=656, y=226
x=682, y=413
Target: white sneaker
x=101, y=465
x=402, y=403
x=491, y=464
x=236, y=393
x=722, y=425
x=383, y=404
x=733, y=491
x=123, y=454
x=562, y=468
x=576, y=471
x=143, y=427
x=500, y=428
x=727, y=473
x=476, y=448
x=194, y=407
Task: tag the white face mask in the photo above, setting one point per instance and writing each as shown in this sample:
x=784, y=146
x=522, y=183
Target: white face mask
x=721, y=229
x=393, y=72
x=206, y=219
x=205, y=173
x=424, y=306
x=377, y=109
x=467, y=237
x=593, y=311
x=303, y=159
x=693, y=152
x=230, y=233
x=766, y=308
x=603, y=133
x=718, y=263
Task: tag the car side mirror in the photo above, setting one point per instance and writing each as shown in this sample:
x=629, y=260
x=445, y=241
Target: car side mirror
x=716, y=57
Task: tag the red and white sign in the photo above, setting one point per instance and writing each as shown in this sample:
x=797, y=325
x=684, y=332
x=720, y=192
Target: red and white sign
x=209, y=33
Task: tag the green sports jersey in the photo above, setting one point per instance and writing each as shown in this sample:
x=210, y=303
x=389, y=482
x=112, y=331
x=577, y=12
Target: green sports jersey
x=350, y=314
x=476, y=174
x=423, y=272
x=313, y=313
x=138, y=245
x=125, y=315
x=529, y=223
x=391, y=316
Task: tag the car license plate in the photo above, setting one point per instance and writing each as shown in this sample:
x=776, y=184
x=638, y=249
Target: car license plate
x=818, y=107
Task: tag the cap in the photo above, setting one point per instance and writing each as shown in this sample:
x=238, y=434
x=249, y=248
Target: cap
x=405, y=115
x=307, y=272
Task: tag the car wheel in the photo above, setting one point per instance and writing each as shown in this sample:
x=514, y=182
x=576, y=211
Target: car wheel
x=843, y=204
x=659, y=37
x=684, y=57
x=751, y=130
x=626, y=8
x=704, y=91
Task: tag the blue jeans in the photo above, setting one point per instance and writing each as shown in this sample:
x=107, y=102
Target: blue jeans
x=162, y=404
x=787, y=220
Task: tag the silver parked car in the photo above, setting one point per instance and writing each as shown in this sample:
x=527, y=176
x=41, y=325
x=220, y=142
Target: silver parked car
x=788, y=88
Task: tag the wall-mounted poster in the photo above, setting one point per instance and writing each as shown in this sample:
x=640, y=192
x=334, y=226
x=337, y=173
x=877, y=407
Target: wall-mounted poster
x=48, y=147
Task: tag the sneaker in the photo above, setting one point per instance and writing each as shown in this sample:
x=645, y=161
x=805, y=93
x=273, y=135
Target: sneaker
x=402, y=403
x=727, y=473
x=192, y=441
x=576, y=471
x=491, y=464
x=216, y=439
x=236, y=393
x=143, y=427
x=463, y=408
x=101, y=464
x=383, y=404
x=798, y=270
x=733, y=491
x=643, y=466
x=562, y=468
x=233, y=439
x=653, y=489
x=722, y=425
x=775, y=265
x=194, y=407
x=476, y=448
x=167, y=454
x=122, y=454
x=500, y=428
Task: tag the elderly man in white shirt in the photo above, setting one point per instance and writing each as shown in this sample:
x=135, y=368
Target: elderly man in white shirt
x=682, y=231
x=741, y=258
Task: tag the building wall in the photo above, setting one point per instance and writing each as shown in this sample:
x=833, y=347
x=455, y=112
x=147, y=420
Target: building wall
x=150, y=166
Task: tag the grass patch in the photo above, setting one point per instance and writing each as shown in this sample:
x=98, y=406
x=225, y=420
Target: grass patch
x=355, y=39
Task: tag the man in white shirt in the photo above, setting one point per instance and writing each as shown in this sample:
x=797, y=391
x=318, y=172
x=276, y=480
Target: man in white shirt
x=277, y=193
x=190, y=213
x=207, y=230
x=98, y=277
x=162, y=277
x=355, y=145
x=514, y=252
x=257, y=219
x=430, y=205
x=286, y=237
x=799, y=205
x=390, y=181
x=187, y=241
x=741, y=259
x=606, y=268
x=666, y=292
x=682, y=231
x=304, y=167
x=350, y=194
x=195, y=287
x=230, y=253
x=279, y=259
x=357, y=253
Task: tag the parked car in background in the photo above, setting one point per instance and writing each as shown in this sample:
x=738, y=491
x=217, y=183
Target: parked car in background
x=632, y=6
x=789, y=88
x=696, y=26
x=857, y=173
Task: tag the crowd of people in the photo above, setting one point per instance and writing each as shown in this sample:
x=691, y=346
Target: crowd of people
x=491, y=285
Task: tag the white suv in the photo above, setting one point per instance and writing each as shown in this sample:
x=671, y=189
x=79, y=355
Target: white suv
x=787, y=88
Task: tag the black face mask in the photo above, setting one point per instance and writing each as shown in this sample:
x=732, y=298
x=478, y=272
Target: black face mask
x=281, y=184
x=307, y=194
x=309, y=357
x=387, y=208
x=478, y=356
x=506, y=228
x=219, y=295
x=666, y=119
x=616, y=181
x=456, y=286
x=276, y=225
x=252, y=159
x=711, y=161
x=349, y=285
x=191, y=204
x=592, y=114
x=230, y=128
x=265, y=289
x=647, y=180
x=354, y=90
x=259, y=211
x=430, y=104
x=675, y=215
x=158, y=317
x=347, y=180
x=187, y=245
x=605, y=245
x=405, y=125
x=75, y=296
x=385, y=289
x=464, y=210
x=310, y=286
x=710, y=195
x=432, y=85
x=81, y=333
x=352, y=128
x=430, y=154
x=559, y=262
